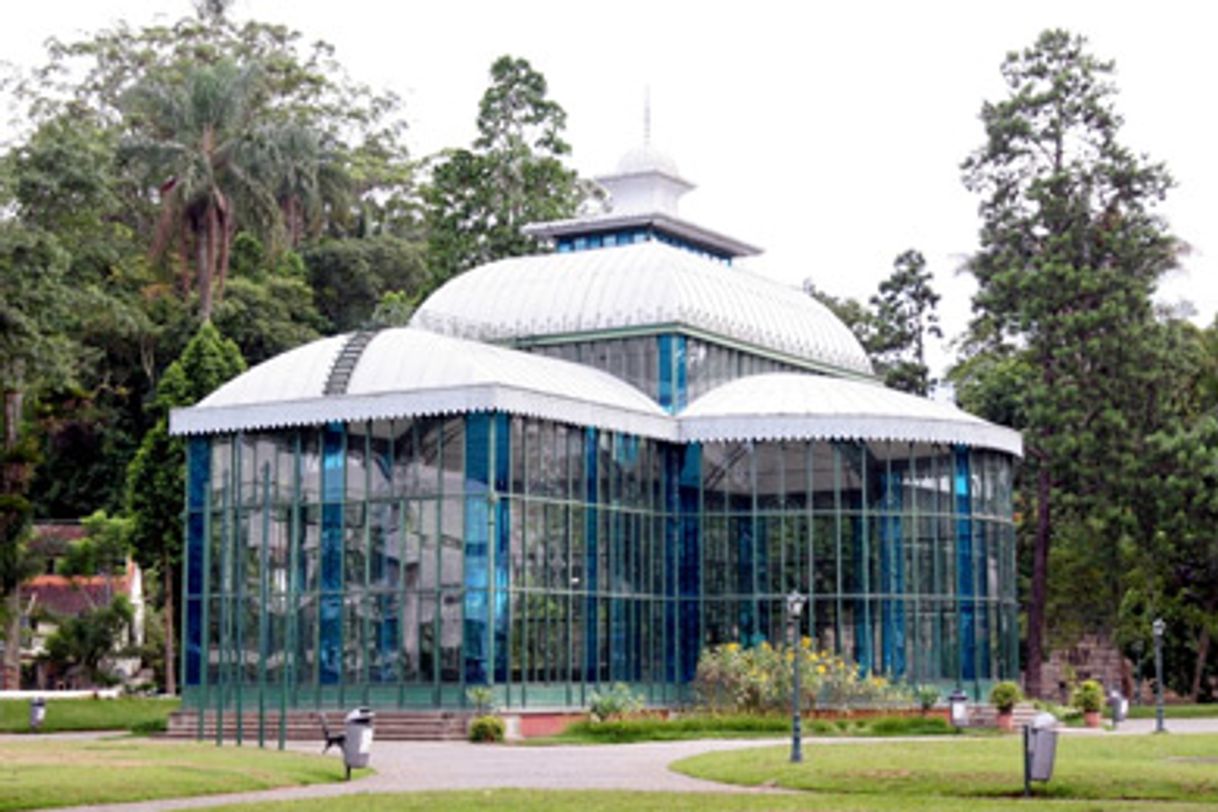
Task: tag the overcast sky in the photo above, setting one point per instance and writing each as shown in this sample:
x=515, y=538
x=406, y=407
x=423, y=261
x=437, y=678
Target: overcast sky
x=828, y=134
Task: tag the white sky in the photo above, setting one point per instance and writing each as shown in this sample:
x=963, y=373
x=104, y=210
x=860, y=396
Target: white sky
x=828, y=134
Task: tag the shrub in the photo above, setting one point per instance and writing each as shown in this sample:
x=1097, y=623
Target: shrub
x=482, y=698
x=758, y=680
x=1088, y=697
x=1004, y=696
x=487, y=729
x=927, y=696
x=617, y=701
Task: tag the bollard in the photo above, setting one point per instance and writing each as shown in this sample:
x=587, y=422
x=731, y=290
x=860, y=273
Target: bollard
x=38, y=713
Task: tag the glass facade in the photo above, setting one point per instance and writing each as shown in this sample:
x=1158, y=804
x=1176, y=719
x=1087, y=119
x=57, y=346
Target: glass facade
x=671, y=368
x=398, y=562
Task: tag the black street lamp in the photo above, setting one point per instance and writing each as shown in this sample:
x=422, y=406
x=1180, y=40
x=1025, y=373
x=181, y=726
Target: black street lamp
x=795, y=607
x=1159, y=627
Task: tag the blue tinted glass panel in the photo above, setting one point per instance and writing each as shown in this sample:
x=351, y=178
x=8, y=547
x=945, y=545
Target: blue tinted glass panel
x=966, y=589
x=477, y=528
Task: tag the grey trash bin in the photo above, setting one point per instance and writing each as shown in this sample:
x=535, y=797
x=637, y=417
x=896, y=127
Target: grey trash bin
x=357, y=746
x=1040, y=750
x=1119, y=706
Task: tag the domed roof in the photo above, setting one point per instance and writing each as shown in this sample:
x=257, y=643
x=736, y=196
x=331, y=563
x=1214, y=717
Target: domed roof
x=646, y=158
x=404, y=372
x=781, y=406
x=648, y=284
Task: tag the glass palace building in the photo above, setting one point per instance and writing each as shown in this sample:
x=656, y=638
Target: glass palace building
x=584, y=467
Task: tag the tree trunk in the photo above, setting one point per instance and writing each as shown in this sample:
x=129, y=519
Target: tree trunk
x=1040, y=580
x=203, y=272
x=12, y=481
x=10, y=678
x=1203, y=653
x=171, y=682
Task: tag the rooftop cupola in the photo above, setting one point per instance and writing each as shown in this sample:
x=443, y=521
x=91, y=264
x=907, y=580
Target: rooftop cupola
x=643, y=195
x=646, y=180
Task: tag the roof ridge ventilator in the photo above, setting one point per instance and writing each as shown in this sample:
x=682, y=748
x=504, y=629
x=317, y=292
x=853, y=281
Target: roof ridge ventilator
x=344, y=365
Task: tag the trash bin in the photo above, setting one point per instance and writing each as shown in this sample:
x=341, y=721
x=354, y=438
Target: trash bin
x=357, y=745
x=1119, y=706
x=958, y=704
x=1040, y=750
x=38, y=712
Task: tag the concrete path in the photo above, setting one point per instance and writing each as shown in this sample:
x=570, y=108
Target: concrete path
x=418, y=766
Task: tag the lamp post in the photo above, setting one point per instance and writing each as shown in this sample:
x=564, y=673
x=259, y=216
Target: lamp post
x=795, y=607
x=1159, y=627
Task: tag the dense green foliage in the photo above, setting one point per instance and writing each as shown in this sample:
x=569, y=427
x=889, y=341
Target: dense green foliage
x=486, y=729
x=1005, y=695
x=759, y=679
x=744, y=726
x=896, y=322
x=1066, y=346
x=479, y=198
x=207, y=190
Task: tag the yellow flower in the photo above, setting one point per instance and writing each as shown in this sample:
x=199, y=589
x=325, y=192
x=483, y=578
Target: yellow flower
x=820, y=669
x=805, y=642
x=732, y=648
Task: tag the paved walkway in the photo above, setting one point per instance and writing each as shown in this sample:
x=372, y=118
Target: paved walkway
x=418, y=766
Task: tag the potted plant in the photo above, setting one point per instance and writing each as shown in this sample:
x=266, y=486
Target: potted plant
x=1089, y=698
x=1004, y=697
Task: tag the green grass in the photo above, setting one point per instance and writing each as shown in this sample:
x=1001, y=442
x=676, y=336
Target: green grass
x=38, y=773
x=709, y=726
x=137, y=714
x=1208, y=711
x=1146, y=768
x=495, y=800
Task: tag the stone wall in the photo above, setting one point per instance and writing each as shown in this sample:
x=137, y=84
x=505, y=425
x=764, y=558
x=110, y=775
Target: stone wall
x=1094, y=657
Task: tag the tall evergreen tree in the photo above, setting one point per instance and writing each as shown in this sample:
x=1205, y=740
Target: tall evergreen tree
x=1070, y=253
x=156, y=476
x=904, y=317
x=478, y=199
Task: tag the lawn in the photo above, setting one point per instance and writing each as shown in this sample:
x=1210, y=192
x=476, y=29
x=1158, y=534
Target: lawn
x=46, y=773
x=606, y=801
x=1208, y=711
x=1094, y=768
x=740, y=726
x=138, y=714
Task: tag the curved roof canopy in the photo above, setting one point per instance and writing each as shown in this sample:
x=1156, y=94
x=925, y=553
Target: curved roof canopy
x=787, y=406
x=403, y=372
x=647, y=284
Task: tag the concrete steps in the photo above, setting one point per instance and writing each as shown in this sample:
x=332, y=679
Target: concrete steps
x=302, y=725
x=987, y=715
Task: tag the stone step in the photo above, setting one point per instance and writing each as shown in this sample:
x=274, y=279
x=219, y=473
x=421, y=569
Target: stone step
x=987, y=715
x=306, y=725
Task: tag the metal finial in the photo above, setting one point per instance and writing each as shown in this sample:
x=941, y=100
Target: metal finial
x=647, y=116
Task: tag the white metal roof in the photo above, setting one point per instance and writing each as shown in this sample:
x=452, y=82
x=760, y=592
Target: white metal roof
x=405, y=372
x=639, y=285
x=782, y=406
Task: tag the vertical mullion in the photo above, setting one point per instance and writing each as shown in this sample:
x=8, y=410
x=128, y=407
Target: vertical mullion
x=263, y=620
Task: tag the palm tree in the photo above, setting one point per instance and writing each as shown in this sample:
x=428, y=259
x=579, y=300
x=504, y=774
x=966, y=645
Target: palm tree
x=198, y=143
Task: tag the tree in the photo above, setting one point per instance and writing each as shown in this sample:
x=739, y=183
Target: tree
x=85, y=640
x=349, y=277
x=904, y=316
x=36, y=352
x=156, y=476
x=478, y=199
x=1070, y=252
x=198, y=143
x=893, y=326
